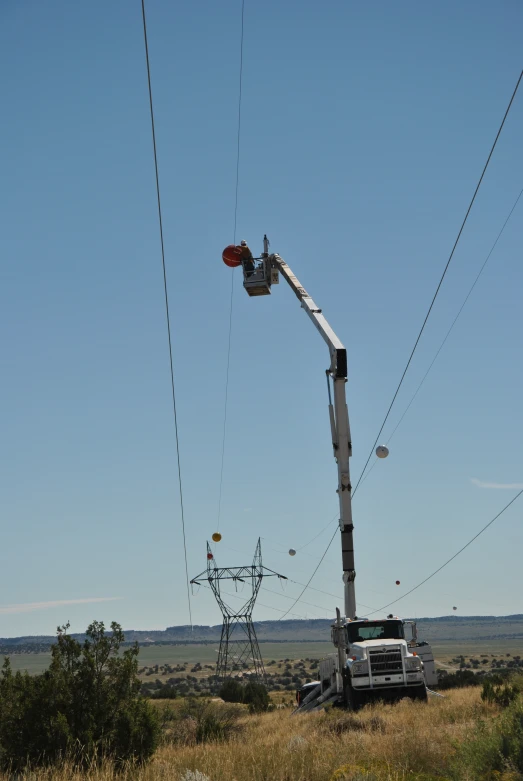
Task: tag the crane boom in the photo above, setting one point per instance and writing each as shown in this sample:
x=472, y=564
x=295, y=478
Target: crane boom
x=359, y=670
x=337, y=351
x=257, y=281
x=339, y=418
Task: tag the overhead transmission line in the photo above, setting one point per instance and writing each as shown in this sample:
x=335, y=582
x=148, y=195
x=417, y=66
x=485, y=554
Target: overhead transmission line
x=422, y=327
x=269, y=607
x=168, y=319
x=441, y=279
x=238, y=139
x=297, y=583
x=306, y=586
x=298, y=599
x=452, y=557
x=310, y=604
x=438, y=351
x=400, y=421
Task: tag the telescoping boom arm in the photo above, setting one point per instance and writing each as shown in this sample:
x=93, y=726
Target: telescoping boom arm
x=339, y=419
x=338, y=412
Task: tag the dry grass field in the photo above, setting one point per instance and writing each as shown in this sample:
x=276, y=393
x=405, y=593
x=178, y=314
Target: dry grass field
x=406, y=741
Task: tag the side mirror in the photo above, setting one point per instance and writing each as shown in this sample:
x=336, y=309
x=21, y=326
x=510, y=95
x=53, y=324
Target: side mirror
x=411, y=635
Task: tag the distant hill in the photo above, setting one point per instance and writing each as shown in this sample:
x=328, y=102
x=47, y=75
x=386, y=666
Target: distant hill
x=443, y=628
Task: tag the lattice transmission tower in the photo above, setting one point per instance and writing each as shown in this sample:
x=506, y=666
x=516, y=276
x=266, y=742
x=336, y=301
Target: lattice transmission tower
x=238, y=643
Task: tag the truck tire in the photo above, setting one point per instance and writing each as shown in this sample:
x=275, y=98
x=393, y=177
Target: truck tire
x=419, y=693
x=354, y=700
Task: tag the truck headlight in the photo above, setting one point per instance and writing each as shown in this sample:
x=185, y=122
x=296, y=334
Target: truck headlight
x=413, y=663
x=360, y=668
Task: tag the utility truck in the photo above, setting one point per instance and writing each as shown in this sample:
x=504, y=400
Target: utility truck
x=373, y=658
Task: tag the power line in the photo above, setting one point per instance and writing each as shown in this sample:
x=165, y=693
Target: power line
x=452, y=557
x=232, y=271
x=239, y=124
x=441, y=279
x=287, y=596
x=225, y=404
x=269, y=607
x=462, y=307
x=160, y=222
x=378, y=610
x=311, y=577
x=336, y=596
x=306, y=586
x=422, y=327
x=311, y=588
x=319, y=533
x=451, y=327
x=310, y=604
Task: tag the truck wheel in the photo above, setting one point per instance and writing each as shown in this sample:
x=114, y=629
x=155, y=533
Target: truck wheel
x=353, y=698
x=420, y=693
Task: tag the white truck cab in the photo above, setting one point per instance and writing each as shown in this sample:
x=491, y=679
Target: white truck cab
x=374, y=660
x=379, y=662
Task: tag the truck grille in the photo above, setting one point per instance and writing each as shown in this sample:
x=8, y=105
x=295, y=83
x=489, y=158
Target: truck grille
x=385, y=662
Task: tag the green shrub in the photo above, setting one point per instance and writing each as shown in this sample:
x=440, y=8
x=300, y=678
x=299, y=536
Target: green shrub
x=85, y=708
x=165, y=692
x=231, y=691
x=256, y=696
x=493, y=748
x=458, y=680
x=499, y=693
x=211, y=721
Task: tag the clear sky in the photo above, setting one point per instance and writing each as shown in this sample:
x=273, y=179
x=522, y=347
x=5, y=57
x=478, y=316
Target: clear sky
x=365, y=127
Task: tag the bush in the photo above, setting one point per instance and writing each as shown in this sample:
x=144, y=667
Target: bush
x=231, y=691
x=459, y=679
x=256, y=696
x=493, y=750
x=211, y=721
x=496, y=692
x=85, y=708
x=165, y=692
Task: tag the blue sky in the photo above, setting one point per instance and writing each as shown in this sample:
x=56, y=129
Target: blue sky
x=364, y=130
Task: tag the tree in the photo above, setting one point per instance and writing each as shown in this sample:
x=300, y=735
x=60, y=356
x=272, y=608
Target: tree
x=85, y=707
x=231, y=691
x=253, y=694
x=256, y=696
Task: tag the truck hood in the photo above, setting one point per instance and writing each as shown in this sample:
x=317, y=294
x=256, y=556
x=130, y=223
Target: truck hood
x=360, y=648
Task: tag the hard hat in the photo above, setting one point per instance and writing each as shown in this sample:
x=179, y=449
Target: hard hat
x=243, y=243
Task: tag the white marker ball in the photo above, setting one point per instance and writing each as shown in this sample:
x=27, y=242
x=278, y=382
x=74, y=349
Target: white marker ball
x=382, y=451
x=292, y=552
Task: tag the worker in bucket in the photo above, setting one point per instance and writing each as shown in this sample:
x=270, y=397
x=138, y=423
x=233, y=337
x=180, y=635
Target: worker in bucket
x=247, y=259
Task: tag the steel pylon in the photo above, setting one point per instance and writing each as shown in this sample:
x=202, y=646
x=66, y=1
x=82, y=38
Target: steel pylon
x=238, y=642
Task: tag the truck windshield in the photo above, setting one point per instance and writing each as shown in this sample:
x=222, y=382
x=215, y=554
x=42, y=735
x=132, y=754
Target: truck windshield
x=375, y=630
